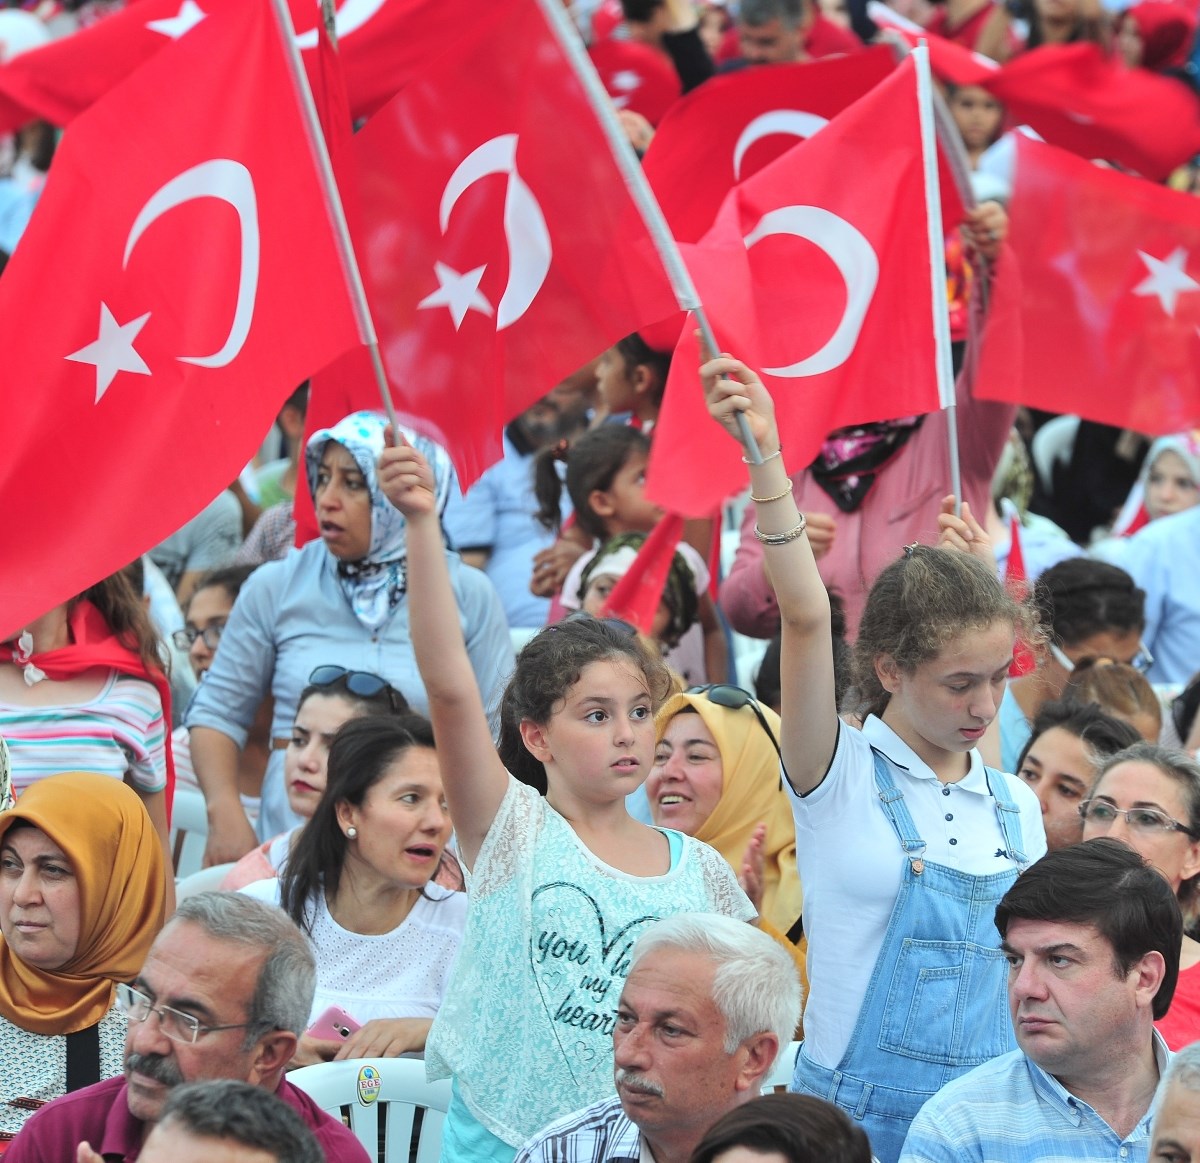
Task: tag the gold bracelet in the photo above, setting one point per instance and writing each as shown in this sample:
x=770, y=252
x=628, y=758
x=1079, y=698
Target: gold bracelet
x=769, y=456
x=784, y=538
x=766, y=500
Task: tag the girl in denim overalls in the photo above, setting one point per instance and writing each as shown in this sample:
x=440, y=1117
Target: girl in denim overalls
x=905, y=841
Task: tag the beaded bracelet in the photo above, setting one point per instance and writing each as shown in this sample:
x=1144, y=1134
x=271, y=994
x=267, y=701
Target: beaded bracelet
x=777, y=497
x=784, y=538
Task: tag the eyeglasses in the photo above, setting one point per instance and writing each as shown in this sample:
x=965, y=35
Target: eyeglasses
x=733, y=698
x=177, y=1026
x=185, y=637
x=1142, y=661
x=358, y=682
x=1147, y=821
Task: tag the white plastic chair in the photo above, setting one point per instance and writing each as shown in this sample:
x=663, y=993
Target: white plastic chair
x=189, y=832
x=206, y=880
x=386, y=1102
x=780, y=1077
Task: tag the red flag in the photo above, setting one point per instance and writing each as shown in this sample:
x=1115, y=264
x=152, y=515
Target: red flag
x=60, y=80
x=824, y=285
x=733, y=125
x=173, y=287
x=636, y=77
x=1017, y=584
x=637, y=595
x=518, y=255
x=1081, y=100
x=1108, y=295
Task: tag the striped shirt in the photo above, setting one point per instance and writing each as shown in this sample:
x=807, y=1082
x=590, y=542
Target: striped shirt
x=601, y=1133
x=1009, y=1110
x=119, y=731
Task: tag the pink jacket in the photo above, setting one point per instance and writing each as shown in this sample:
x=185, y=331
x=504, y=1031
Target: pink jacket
x=901, y=508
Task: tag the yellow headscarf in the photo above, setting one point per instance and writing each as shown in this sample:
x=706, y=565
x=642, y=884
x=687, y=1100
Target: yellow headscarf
x=102, y=827
x=750, y=795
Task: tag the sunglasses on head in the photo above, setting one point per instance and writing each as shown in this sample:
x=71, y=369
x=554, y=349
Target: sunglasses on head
x=733, y=698
x=617, y=624
x=358, y=682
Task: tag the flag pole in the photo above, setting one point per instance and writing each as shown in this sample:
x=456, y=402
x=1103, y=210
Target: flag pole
x=937, y=260
x=333, y=202
x=635, y=181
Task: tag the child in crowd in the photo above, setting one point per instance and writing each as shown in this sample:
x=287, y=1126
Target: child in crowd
x=606, y=480
x=561, y=879
x=905, y=841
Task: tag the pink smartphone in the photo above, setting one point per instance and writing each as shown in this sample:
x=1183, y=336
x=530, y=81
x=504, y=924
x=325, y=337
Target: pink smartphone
x=334, y=1025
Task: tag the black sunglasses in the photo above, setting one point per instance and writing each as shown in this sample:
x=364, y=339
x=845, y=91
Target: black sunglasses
x=618, y=624
x=733, y=698
x=358, y=682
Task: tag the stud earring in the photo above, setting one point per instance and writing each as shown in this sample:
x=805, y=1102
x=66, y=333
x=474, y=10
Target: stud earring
x=352, y=832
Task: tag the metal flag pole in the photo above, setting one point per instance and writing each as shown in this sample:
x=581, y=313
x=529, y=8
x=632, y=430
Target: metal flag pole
x=341, y=232
x=639, y=189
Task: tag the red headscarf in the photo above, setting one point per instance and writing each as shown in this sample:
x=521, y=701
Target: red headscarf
x=1167, y=31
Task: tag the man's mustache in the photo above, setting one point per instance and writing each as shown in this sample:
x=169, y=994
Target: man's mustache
x=635, y=1082
x=155, y=1067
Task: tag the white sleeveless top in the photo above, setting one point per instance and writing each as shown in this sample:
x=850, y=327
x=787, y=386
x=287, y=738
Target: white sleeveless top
x=526, y=1026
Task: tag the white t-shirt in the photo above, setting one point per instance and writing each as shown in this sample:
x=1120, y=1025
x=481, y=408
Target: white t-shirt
x=851, y=864
x=401, y=974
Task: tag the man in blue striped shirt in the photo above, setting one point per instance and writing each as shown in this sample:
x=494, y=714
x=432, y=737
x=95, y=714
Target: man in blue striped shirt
x=1092, y=936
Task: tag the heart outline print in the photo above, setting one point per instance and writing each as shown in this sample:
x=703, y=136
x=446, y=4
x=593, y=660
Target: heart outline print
x=565, y=962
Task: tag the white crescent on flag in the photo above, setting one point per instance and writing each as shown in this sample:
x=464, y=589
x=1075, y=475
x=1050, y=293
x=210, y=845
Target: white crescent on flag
x=854, y=257
x=794, y=121
x=350, y=17
x=525, y=234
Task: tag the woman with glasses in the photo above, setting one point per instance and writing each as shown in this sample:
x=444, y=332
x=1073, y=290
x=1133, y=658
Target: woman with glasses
x=82, y=896
x=361, y=883
x=342, y=598
x=205, y=616
x=1149, y=798
x=905, y=841
x=1089, y=609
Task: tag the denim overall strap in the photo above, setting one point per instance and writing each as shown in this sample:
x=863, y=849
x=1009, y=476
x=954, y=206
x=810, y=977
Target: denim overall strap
x=1009, y=817
x=896, y=810
x=936, y=1004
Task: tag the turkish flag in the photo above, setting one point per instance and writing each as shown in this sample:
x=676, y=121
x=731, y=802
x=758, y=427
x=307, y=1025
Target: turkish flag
x=1089, y=103
x=825, y=286
x=60, y=80
x=173, y=287
x=517, y=256
x=733, y=125
x=637, y=595
x=1107, y=288
x=637, y=77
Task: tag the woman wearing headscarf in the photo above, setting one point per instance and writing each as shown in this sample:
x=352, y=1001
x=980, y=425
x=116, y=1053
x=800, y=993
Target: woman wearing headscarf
x=340, y=600
x=82, y=897
x=716, y=777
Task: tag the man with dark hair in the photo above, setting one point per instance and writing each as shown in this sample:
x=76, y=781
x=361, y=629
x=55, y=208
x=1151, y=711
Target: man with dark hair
x=225, y=992
x=772, y=32
x=1092, y=937
x=230, y=1121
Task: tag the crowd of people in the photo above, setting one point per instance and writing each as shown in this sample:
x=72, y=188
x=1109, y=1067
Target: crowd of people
x=878, y=839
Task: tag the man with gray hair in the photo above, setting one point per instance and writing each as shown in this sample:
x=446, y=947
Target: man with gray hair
x=773, y=32
x=225, y=992
x=708, y=1004
x=1175, y=1134
x=230, y=1121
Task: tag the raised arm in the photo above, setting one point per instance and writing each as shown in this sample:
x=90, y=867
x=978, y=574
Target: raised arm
x=808, y=704
x=472, y=774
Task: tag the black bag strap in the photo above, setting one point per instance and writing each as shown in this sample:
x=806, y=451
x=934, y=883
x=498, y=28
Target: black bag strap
x=796, y=931
x=83, y=1058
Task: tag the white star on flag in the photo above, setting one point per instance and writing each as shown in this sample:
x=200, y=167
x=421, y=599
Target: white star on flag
x=626, y=80
x=1167, y=278
x=190, y=14
x=112, y=350
x=459, y=293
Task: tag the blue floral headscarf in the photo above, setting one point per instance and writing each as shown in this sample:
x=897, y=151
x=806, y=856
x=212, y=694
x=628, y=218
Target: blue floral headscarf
x=375, y=585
